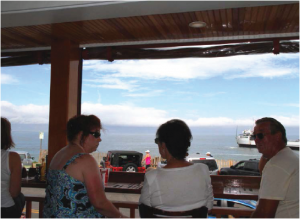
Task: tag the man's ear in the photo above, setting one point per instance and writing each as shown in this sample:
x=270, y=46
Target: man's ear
x=79, y=135
x=81, y=138
x=278, y=136
x=163, y=145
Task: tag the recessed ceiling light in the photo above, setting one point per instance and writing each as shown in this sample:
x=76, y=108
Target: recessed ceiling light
x=197, y=24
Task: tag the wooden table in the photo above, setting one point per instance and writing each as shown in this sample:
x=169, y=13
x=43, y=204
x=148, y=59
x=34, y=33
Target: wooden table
x=30, y=182
x=134, y=188
x=123, y=182
x=220, y=183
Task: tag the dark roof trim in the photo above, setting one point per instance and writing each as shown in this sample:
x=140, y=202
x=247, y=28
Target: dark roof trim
x=127, y=53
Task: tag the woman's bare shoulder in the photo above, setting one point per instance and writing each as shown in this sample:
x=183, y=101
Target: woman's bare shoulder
x=87, y=159
x=14, y=156
x=82, y=165
x=14, y=161
x=83, y=160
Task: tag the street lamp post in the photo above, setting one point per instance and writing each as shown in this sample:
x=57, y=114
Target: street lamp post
x=41, y=137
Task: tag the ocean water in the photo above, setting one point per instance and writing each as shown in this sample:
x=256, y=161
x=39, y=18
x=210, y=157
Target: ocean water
x=220, y=146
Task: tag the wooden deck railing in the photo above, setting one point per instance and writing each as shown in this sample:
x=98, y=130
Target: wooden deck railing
x=235, y=212
x=132, y=206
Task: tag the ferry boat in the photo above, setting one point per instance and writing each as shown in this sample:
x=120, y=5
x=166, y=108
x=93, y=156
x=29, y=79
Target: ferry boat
x=246, y=140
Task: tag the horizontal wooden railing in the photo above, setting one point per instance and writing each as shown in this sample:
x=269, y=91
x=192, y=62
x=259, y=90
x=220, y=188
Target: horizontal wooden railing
x=132, y=206
x=229, y=211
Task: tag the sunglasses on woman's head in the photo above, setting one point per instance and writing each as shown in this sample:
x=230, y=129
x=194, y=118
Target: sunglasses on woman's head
x=96, y=134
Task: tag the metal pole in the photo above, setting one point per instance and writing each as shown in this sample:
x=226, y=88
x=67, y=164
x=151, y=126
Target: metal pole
x=41, y=138
x=40, y=158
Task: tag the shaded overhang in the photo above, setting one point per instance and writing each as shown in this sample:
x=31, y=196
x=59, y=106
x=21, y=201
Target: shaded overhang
x=114, y=30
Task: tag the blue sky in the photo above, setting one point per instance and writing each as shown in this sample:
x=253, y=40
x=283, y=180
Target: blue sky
x=203, y=92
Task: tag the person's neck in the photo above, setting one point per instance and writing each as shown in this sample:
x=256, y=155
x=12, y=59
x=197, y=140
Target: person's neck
x=174, y=163
x=76, y=146
x=278, y=148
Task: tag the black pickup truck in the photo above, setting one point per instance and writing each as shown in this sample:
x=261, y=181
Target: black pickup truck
x=244, y=167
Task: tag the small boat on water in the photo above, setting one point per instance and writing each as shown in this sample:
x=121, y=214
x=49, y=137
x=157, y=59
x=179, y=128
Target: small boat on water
x=246, y=140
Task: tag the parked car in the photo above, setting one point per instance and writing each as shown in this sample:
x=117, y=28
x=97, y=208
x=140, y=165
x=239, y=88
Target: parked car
x=129, y=161
x=234, y=203
x=26, y=158
x=244, y=167
x=223, y=202
x=162, y=163
x=209, y=161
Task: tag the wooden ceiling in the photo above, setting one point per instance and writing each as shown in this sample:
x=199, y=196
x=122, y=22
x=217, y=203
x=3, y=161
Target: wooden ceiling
x=275, y=21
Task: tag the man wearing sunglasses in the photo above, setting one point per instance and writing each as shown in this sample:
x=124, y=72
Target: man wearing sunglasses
x=279, y=187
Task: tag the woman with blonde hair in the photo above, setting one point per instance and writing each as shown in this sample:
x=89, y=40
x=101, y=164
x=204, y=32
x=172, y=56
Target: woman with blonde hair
x=147, y=159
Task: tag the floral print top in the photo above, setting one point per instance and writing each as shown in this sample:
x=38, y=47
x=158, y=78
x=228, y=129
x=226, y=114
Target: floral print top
x=66, y=197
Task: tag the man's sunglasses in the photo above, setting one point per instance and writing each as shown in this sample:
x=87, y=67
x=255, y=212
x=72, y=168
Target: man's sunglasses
x=96, y=134
x=156, y=140
x=258, y=135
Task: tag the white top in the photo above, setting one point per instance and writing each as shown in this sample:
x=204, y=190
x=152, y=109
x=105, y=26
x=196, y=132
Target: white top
x=280, y=181
x=6, y=199
x=178, y=189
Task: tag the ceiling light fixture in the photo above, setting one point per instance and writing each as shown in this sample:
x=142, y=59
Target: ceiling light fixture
x=197, y=24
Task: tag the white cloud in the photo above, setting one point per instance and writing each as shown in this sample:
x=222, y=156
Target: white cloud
x=125, y=114
x=287, y=121
x=8, y=79
x=220, y=121
x=213, y=94
x=146, y=94
x=128, y=115
x=281, y=105
x=25, y=114
x=112, y=83
x=292, y=105
x=245, y=66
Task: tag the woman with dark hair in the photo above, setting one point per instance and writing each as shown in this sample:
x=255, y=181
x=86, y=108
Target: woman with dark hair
x=180, y=185
x=12, y=200
x=74, y=185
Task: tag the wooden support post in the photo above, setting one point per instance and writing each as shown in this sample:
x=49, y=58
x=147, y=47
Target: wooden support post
x=28, y=209
x=65, y=92
x=41, y=209
x=276, y=48
x=132, y=212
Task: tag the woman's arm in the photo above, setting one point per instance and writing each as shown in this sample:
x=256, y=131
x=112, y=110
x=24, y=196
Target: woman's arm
x=210, y=193
x=144, y=158
x=95, y=189
x=16, y=174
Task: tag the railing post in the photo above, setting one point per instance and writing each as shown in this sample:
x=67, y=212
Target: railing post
x=132, y=212
x=28, y=209
x=41, y=209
